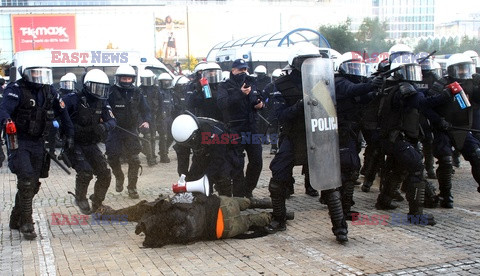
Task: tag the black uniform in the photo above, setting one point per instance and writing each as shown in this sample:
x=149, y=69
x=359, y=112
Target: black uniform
x=154, y=100
x=92, y=119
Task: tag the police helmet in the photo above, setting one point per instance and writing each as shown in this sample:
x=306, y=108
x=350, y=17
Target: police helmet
x=398, y=50
x=474, y=56
x=460, y=66
x=37, y=74
x=409, y=69
x=165, y=80
x=351, y=63
x=260, y=70
x=147, y=77
x=430, y=65
x=125, y=70
x=200, y=67
x=68, y=81
x=96, y=83
x=299, y=53
x=185, y=130
x=179, y=82
x=210, y=71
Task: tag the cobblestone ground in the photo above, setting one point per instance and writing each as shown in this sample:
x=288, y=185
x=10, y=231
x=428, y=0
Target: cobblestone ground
x=308, y=247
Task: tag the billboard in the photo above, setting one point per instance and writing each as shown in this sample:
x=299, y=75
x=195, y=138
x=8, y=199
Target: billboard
x=45, y=31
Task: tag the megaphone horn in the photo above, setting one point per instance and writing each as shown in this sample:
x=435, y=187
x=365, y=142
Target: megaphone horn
x=201, y=185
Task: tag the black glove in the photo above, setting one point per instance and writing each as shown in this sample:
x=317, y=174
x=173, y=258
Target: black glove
x=438, y=86
x=377, y=82
x=299, y=105
x=69, y=144
x=476, y=79
x=407, y=89
x=444, y=125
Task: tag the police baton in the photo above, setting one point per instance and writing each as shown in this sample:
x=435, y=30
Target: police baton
x=263, y=118
x=464, y=129
x=133, y=134
x=62, y=166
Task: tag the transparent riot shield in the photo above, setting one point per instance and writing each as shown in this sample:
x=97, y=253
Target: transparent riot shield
x=321, y=123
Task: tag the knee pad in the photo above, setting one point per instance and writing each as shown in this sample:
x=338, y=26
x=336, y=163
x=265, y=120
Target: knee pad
x=446, y=160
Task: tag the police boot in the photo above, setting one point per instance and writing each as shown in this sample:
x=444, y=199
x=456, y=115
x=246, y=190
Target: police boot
x=366, y=186
x=371, y=160
x=274, y=149
x=133, y=168
x=339, y=225
x=384, y=199
x=81, y=187
x=456, y=159
x=16, y=215
x=224, y=187
x=277, y=193
x=260, y=203
x=309, y=190
x=415, y=197
x=429, y=160
x=444, y=174
x=163, y=149
x=100, y=189
x=118, y=173
x=347, y=199
x=323, y=198
x=395, y=192
x=431, y=198
x=26, y=194
x=290, y=190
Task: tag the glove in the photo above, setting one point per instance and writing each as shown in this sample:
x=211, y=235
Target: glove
x=476, y=79
x=69, y=144
x=299, y=105
x=377, y=82
x=407, y=89
x=438, y=86
x=444, y=125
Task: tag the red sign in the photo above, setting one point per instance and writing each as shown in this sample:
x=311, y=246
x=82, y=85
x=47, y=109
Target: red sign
x=38, y=32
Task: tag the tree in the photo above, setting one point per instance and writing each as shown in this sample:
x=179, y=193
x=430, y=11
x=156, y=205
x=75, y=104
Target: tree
x=372, y=36
x=339, y=36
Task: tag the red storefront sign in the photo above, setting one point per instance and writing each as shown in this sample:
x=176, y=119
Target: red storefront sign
x=46, y=31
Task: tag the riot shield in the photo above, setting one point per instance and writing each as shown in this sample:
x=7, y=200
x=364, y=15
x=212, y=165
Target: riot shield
x=321, y=123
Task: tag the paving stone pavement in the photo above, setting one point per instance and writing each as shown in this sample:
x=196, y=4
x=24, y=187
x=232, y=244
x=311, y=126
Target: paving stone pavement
x=308, y=247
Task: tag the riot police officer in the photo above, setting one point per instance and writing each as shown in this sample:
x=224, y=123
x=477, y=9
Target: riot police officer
x=67, y=86
x=128, y=105
x=268, y=95
x=292, y=148
x=452, y=114
x=165, y=118
x=152, y=96
x=399, y=123
x=239, y=101
x=92, y=118
x=261, y=81
x=351, y=91
x=31, y=103
x=209, y=157
x=203, y=100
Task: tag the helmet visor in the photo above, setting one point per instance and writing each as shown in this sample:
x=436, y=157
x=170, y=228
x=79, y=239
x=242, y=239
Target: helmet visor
x=39, y=75
x=212, y=75
x=98, y=90
x=67, y=85
x=147, y=81
x=461, y=70
x=356, y=68
x=410, y=72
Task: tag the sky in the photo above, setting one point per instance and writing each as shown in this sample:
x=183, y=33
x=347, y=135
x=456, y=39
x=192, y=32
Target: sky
x=449, y=10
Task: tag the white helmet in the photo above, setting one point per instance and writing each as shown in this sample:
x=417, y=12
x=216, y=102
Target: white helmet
x=96, y=83
x=398, y=50
x=165, y=80
x=300, y=52
x=277, y=73
x=474, y=56
x=351, y=63
x=210, y=70
x=460, y=66
x=125, y=70
x=147, y=77
x=409, y=70
x=185, y=129
x=179, y=82
x=430, y=65
x=68, y=81
x=37, y=73
x=260, y=69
